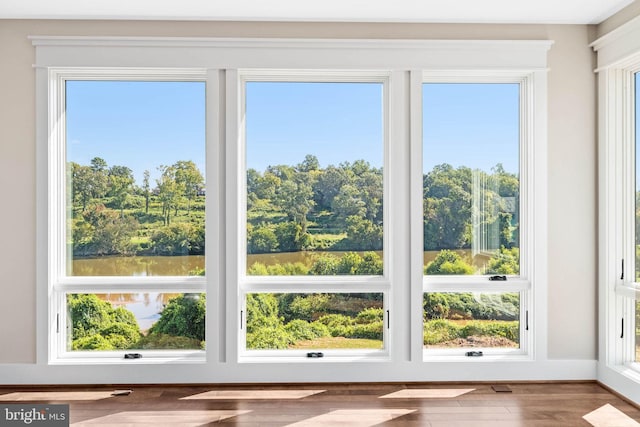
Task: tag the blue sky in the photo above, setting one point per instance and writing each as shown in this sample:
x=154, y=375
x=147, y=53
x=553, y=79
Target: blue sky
x=474, y=125
x=143, y=125
x=336, y=122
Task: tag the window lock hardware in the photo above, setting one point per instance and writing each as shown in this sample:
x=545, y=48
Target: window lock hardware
x=132, y=356
x=622, y=275
x=498, y=278
x=473, y=354
x=315, y=354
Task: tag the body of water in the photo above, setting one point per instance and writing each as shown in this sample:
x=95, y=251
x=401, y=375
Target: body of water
x=147, y=306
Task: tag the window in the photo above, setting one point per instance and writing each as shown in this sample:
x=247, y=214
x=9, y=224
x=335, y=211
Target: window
x=298, y=202
x=618, y=70
x=314, y=159
x=128, y=254
x=471, y=222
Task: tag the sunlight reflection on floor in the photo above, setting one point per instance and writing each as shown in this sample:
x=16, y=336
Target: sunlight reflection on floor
x=173, y=418
x=65, y=396
x=428, y=393
x=609, y=416
x=353, y=417
x=253, y=394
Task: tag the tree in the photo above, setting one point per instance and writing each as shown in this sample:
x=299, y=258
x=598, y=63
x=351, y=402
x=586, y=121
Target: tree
x=447, y=208
x=169, y=191
x=146, y=191
x=261, y=239
x=295, y=198
x=100, y=180
x=363, y=234
x=189, y=178
x=82, y=184
x=101, y=231
x=348, y=202
x=183, y=316
x=310, y=163
x=120, y=186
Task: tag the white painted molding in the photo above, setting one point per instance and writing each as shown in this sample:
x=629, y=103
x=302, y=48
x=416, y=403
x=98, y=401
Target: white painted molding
x=619, y=47
x=233, y=53
x=302, y=370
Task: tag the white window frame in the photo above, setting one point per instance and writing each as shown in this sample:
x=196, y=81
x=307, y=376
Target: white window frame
x=529, y=160
x=60, y=284
x=618, y=61
x=222, y=60
x=307, y=284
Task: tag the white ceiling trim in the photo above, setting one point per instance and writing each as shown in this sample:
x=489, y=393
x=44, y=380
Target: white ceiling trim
x=428, y=11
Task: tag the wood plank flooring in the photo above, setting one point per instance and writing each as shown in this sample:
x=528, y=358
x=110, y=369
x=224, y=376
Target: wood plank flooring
x=358, y=405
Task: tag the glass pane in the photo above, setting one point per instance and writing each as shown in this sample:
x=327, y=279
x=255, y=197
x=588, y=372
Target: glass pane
x=462, y=320
x=314, y=321
x=135, y=155
x=471, y=185
x=637, y=211
x=136, y=321
x=637, y=198
x=314, y=155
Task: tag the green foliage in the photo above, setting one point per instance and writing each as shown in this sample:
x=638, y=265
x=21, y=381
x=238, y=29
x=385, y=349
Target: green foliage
x=265, y=329
x=467, y=305
x=96, y=325
x=261, y=239
x=178, y=239
x=325, y=265
x=349, y=264
x=372, y=331
x=183, y=316
x=448, y=262
x=102, y=231
x=369, y=315
x=504, y=261
x=283, y=320
x=302, y=330
x=441, y=331
x=159, y=341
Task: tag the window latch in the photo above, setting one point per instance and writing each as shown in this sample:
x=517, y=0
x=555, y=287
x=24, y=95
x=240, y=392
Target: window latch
x=498, y=278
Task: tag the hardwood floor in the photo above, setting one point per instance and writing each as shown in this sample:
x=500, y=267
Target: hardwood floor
x=360, y=405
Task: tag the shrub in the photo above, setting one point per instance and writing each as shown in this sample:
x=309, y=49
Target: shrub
x=183, y=316
x=324, y=265
x=178, y=239
x=164, y=341
x=372, y=331
x=268, y=338
x=96, y=325
x=369, y=315
x=448, y=262
x=300, y=330
x=504, y=261
x=261, y=240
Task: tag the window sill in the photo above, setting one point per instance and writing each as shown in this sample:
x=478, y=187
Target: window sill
x=117, y=358
x=327, y=358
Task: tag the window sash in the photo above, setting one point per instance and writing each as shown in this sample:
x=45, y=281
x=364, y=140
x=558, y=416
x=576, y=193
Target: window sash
x=62, y=284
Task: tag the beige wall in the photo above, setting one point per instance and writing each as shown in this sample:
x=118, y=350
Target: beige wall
x=572, y=160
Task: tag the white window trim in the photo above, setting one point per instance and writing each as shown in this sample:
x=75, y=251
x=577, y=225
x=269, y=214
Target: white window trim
x=618, y=60
x=221, y=59
x=304, y=284
x=60, y=284
x=533, y=243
